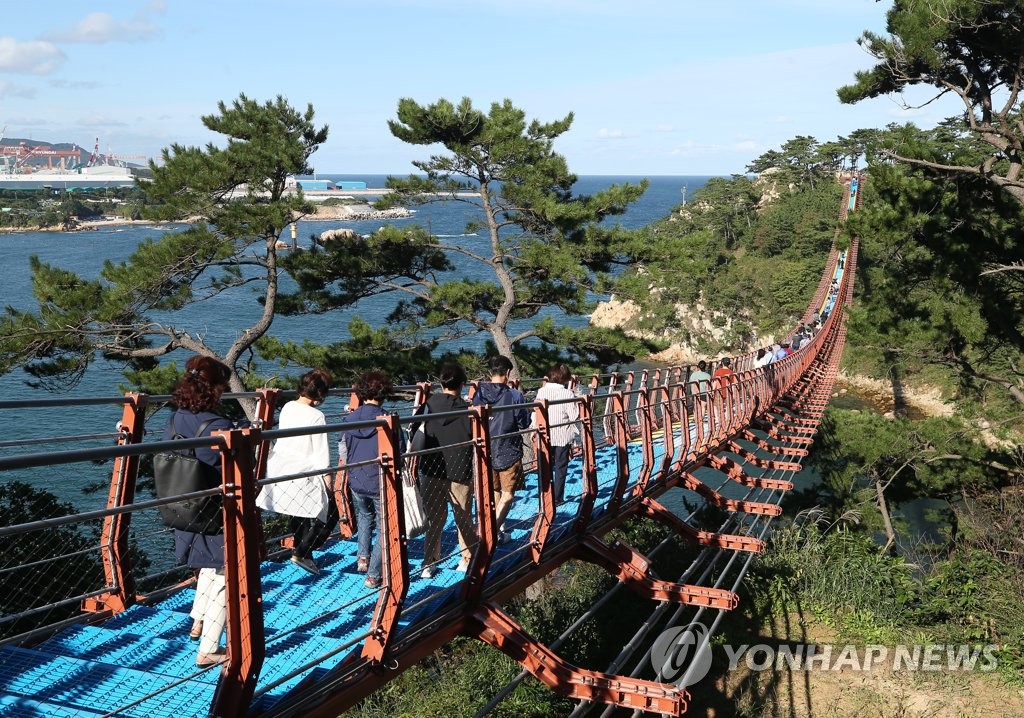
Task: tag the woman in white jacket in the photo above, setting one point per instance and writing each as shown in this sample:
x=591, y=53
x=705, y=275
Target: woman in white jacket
x=307, y=499
x=563, y=423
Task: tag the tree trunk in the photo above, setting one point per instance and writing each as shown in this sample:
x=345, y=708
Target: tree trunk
x=883, y=508
x=499, y=328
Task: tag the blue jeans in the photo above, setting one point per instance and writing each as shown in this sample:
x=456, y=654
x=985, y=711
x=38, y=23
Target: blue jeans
x=367, y=518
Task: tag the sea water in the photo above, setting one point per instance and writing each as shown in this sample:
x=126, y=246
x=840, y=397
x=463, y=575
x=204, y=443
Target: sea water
x=219, y=319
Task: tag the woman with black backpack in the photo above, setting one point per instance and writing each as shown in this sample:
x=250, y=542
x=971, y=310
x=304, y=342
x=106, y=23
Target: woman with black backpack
x=197, y=398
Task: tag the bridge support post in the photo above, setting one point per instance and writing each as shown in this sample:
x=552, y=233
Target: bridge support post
x=243, y=543
x=384, y=624
x=646, y=418
x=546, y=516
x=117, y=563
x=631, y=567
x=652, y=509
x=589, y=477
x=483, y=489
x=494, y=627
x=620, y=422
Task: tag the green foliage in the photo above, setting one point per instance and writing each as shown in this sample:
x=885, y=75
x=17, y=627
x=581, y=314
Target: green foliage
x=967, y=48
x=752, y=262
x=404, y=356
x=542, y=250
x=831, y=569
x=964, y=591
x=44, y=563
x=927, y=298
x=239, y=192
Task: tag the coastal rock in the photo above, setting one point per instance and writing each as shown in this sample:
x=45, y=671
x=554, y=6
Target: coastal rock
x=358, y=213
x=341, y=233
x=614, y=314
x=697, y=328
x=926, y=399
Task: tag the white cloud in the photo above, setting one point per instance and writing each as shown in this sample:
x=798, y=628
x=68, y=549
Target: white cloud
x=606, y=134
x=34, y=57
x=102, y=27
x=8, y=89
x=664, y=128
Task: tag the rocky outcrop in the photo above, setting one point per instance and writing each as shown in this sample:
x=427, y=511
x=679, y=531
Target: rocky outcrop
x=330, y=234
x=697, y=327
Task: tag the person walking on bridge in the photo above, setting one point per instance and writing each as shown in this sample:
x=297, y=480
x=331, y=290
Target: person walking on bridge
x=506, y=440
x=308, y=500
x=563, y=425
x=197, y=399
x=359, y=451
x=724, y=369
x=448, y=472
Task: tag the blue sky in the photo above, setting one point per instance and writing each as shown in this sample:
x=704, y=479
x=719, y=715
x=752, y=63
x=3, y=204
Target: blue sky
x=658, y=87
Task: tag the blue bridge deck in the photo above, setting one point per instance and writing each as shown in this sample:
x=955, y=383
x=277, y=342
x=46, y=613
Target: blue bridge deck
x=142, y=663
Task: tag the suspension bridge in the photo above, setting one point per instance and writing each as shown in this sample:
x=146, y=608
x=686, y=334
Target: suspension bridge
x=91, y=629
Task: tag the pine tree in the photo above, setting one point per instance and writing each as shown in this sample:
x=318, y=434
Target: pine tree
x=538, y=250
x=235, y=199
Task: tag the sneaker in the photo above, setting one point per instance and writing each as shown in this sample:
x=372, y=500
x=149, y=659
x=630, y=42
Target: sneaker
x=429, y=570
x=463, y=565
x=362, y=564
x=306, y=564
x=372, y=582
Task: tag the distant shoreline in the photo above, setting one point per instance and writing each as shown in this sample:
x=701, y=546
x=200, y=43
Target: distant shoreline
x=85, y=225
x=340, y=213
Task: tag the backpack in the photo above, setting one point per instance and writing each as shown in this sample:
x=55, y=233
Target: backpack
x=180, y=472
x=419, y=441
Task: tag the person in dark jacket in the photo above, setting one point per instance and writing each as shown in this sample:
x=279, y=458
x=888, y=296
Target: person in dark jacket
x=358, y=446
x=446, y=475
x=506, y=441
x=196, y=399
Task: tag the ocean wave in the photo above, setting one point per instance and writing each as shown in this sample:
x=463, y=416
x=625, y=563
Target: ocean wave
x=471, y=234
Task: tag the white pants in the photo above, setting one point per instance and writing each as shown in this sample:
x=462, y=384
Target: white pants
x=210, y=607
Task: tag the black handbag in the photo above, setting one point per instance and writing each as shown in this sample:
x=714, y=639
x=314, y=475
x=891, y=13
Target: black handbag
x=180, y=472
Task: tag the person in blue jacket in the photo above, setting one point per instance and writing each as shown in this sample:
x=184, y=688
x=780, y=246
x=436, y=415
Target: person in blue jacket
x=506, y=439
x=357, y=446
x=196, y=399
